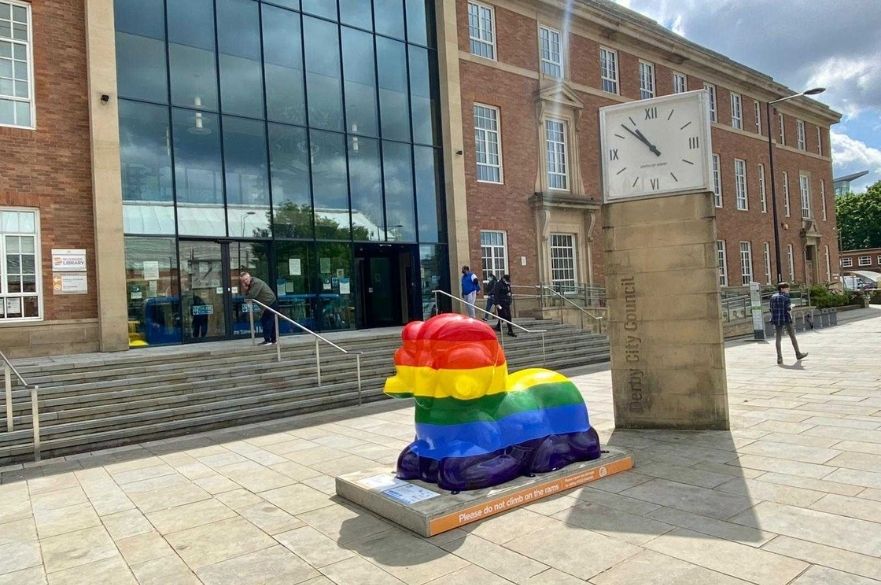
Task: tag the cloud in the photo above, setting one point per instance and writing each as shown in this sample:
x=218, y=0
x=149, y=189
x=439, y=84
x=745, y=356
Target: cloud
x=850, y=156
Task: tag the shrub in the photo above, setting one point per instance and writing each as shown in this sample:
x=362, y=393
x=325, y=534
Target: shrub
x=823, y=298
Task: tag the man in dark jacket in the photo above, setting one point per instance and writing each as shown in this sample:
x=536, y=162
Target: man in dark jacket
x=259, y=291
x=503, y=298
x=488, y=290
x=781, y=317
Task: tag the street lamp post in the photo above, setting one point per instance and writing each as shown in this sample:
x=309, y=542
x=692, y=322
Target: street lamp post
x=813, y=91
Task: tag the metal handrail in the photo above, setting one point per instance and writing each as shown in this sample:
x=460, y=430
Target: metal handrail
x=317, y=337
x=8, y=370
x=503, y=320
x=583, y=310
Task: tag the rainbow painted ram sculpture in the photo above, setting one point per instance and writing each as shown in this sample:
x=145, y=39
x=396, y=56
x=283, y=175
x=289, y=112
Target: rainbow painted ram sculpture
x=476, y=424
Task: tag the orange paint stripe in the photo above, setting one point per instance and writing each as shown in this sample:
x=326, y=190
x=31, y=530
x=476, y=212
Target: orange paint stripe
x=525, y=496
x=442, y=354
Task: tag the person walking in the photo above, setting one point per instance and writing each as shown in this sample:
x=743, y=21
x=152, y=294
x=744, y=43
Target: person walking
x=258, y=290
x=503, y=297
x=781, y=317
x=470, y=286
x=488, y=290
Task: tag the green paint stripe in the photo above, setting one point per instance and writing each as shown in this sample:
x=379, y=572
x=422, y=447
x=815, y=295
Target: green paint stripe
x=450, y=411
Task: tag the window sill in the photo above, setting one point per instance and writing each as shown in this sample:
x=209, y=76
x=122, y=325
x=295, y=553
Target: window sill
x=489, y=182
x=14, y=127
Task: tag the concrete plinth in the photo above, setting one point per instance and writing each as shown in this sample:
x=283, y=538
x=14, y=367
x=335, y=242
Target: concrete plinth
x=665, y=323
x=427, y=510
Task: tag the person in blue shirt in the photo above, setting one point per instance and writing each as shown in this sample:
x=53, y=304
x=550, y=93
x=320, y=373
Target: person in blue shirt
x=470, y=286
x=781, y=317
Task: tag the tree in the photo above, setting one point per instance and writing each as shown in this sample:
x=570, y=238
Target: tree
x=859, y=219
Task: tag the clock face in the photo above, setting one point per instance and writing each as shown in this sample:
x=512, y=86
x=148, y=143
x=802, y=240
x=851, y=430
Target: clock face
x=655, y=147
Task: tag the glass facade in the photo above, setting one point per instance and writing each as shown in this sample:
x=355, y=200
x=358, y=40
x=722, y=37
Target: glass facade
x=289, y=138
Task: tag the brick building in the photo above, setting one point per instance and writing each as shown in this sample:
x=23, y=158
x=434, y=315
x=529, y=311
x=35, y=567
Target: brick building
x=353, y=154
x=866, y=259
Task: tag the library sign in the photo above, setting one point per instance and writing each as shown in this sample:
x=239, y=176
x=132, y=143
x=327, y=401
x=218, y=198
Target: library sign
x=69, y=272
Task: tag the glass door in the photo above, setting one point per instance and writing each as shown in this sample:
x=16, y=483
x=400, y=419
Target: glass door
x=205, y=290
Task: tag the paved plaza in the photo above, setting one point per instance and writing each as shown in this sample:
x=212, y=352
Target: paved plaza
x=791, y=495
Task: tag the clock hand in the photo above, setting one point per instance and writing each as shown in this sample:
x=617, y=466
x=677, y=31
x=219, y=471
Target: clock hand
x=639, y=136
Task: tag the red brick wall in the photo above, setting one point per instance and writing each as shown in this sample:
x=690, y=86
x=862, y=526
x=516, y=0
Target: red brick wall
x=49, y=168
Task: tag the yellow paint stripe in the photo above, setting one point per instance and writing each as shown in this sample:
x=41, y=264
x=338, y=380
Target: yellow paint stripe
x=444, y=383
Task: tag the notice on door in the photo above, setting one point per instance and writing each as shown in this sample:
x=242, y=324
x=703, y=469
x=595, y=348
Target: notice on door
x=151, y=270
x=295, y=267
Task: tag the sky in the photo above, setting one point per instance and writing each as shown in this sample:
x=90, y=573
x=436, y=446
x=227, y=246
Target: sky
x=834, y=44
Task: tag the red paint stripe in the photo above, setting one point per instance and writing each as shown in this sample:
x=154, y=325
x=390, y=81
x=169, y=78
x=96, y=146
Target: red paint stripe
x=450, y=355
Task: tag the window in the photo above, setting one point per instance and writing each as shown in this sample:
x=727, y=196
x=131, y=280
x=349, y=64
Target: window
x=846, y=262
x=819, y=142
x=19, y=265
x=551, y=51
x=557, y=156
x=712, y=90
x=879, y=260
x=740, y=184
x=865, y=261
x=680, y=83
x=786, y=207
x=758, y=115
x=481, y=30
x=828, y=266
x=782, y=129
x=563, y=261
x=16, y=72
x=609, y=69
x=766, y=254
x=646, y=80
x=717, y=182
x=823, y=197
x=746, y=263
x=723, y=264
x=762, y=192
x=494, y=253
x=736, y=111
x=804, y=184
x=800, y=134
x=791, y=263
x=487, y=143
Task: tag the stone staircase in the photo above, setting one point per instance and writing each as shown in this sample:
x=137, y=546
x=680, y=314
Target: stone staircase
x=94, y=401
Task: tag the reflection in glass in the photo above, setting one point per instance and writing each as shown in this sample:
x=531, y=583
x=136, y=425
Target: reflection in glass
x=389, y=17
x=336, y=287
x=295, y=268
x=399, y=209
x=393, y=103
x=329, y=190
x=247, y=181
x=151, y=291
x=356, y=13
x=365, y=182
x=422, y=102
x=429, y=201
x=251, y=257
x=191, y=54
x=289, y=170
x=323, y=74
x=198, y=173
x=145, y=160
x=419, y=23
x=433, y=264
x=323, y=8
x=360, y=82
x=140, y=49
x=241, y=78
x=202, y=290
x=283, y=66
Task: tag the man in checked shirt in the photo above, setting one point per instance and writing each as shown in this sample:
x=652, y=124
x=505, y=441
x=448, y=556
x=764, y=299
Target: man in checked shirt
x=781, y=317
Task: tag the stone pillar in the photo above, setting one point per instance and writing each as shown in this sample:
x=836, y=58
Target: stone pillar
x=106, y=177
x=665, y=326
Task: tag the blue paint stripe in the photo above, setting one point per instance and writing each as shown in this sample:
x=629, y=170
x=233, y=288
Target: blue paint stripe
x=478, y=438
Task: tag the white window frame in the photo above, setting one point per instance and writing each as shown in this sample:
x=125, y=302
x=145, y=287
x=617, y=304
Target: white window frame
x=823, y=197
x=485, y=36
x=680, y=82
x=819, y=141
x=746, y=263
x=712, y=90
x=496, y=262
x=740, y=189
x=766, y=254
x=804, y=187
x=550, y=67
x=864, y=261
x=484, y=136
x=31, y=80
x=846, y=262
x=786, y=203
x=879, y=259
x=736, y=111
x=791, y=262
x=609, y=70
x=717, y=181
x=4, y=290
x=555, y=270
x=780, y=121
x=557, y=154
x=723, y=262
x=800, y=140
x=758, y=111
x=646, y=80
x=828, y=265
x=762, y=190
